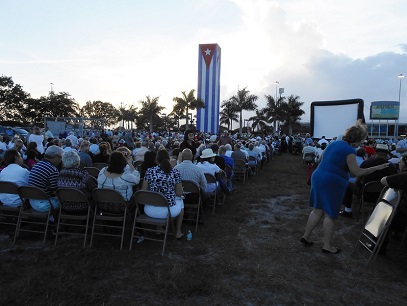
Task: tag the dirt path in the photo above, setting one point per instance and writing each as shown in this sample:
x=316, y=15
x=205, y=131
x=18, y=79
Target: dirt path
x=248, y=253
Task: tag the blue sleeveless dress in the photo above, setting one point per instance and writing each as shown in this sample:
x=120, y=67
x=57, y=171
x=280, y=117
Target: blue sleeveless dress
x=330, y=180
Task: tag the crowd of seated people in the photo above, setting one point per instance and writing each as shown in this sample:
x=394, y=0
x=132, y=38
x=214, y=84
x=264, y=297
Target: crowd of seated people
x=138, y=161
x=371, y=153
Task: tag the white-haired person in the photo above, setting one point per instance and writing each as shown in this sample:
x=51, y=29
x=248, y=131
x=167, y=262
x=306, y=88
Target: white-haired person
x=45, y=175
x=329, y=182
x=72, y=176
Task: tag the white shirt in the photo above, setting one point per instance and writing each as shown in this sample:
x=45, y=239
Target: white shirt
x=16, y=174
x=323, y=140
x=73, y=139
x=67, y=149
x=3, y=146
x=209, y=168
x=38, y=139
x=49, y=134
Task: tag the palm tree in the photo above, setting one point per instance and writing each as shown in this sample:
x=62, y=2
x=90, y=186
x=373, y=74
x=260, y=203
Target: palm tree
x=177, y=114
x=128, y=115
x=187, y=102
x=150, y=110
x=259, y=120
x=228, y=114
x=274, y=110
x=243, y=101
x=292, y=112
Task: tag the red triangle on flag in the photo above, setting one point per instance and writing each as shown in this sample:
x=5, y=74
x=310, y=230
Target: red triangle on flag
x=207, y=51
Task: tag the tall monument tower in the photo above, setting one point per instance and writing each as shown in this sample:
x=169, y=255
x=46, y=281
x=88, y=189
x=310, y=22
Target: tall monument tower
x=209, y=87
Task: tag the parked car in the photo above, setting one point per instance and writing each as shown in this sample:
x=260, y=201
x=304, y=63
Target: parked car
x=22, y=132
x=6, y=131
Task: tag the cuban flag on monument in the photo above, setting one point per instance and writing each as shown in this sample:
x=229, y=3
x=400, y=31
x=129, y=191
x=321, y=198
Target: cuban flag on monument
x=209, y=87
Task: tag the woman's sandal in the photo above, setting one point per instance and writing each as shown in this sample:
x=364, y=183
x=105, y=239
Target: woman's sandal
x=305, y=242
x=329, y=252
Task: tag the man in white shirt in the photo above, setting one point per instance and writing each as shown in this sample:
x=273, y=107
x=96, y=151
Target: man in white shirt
x=68, y=146
x=74, y=140
x=48, y=133
x=138, y=153
x=322, y=140
x=3, y=146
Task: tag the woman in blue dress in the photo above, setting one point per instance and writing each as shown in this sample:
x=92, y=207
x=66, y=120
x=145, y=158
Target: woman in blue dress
x=330, y=180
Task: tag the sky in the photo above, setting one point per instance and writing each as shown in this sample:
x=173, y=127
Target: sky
x=120, y=51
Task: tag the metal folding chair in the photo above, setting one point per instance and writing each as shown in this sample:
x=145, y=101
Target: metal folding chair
x=192, y=202
x=148, y=225
x=212, y=197
x=240, y=170
x=99, y=166
x=74, y=212
x=110, y=214
x=92, y=171
x=370, y=194
x=9, y=215
x=376, y=228
x=30, y=216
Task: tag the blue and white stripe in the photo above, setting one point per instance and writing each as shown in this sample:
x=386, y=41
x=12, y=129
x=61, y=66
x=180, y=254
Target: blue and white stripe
x=209, y=89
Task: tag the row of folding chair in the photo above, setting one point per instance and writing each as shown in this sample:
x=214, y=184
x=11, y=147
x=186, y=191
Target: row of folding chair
x=110, y=211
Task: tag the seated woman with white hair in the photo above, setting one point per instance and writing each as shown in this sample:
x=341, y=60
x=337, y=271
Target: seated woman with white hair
x=72, y=176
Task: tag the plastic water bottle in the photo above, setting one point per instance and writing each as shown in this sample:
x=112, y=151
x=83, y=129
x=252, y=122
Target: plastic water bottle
x=189, y=235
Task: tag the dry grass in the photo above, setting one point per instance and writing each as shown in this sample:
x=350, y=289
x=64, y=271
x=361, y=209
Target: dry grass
x=247, y=254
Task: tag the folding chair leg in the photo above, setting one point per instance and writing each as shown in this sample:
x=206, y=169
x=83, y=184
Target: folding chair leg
x=404, y=238
x=18, y=226
x=86, y=229
x=93, y=228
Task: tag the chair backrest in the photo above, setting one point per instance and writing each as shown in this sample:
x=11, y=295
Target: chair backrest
x=32, y=192
x=384, y=211
x=190, y=187
x=109, y=200
x=379, y=218
x=210, y=178
x=99, y=165
x=372, y=190
x=309, y=157
x=228, y=170
x=72, y=200
x=8, y=187
x=92, y=171
x=145, y=197
x=391, y=196
x=252, y=158
x=239, y=163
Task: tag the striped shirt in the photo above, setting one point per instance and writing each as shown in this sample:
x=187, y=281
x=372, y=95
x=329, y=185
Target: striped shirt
x=44, y=175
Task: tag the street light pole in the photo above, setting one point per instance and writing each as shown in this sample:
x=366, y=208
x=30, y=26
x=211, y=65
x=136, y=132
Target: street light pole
x=276, y=83
x=400, y=76
x=396, y=132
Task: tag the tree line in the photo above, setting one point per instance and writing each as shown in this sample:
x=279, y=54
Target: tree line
x=17, y=107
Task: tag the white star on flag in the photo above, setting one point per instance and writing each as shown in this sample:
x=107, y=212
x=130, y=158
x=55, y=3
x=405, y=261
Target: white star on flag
x=207, y=51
